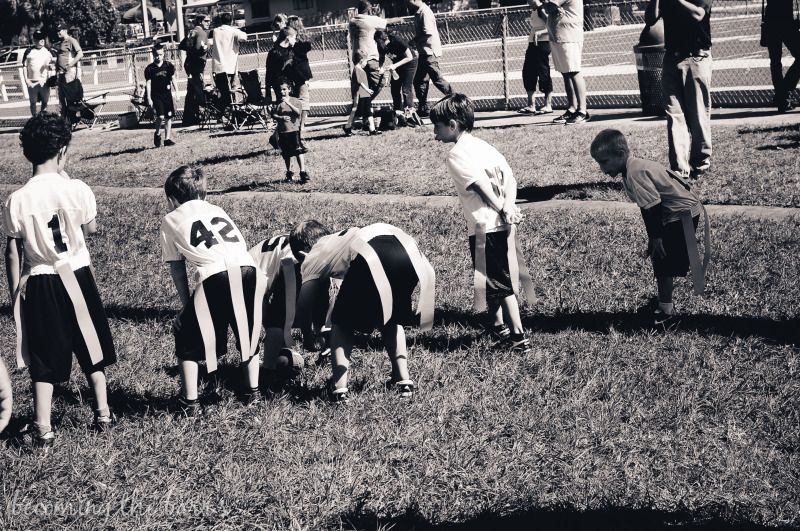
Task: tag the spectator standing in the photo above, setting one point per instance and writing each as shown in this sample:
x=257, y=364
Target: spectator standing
x=565, y=29
x=780, y=28
x=300, y=72
x=403, y=67
x=36, y=66
x=429, y=46
x=686, y=78
x=225, y=56
x=195, y=65
x=278, y=57
x=159, y=76
x=362, y=98
x=68, y=58
x=536, y=67
x=362, y=37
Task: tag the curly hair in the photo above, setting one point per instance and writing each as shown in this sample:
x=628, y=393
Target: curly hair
x=185, y=184
x=304, y=235
x=43, y=137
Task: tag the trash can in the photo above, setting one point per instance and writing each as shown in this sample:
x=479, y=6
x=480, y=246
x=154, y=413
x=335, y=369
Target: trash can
x=649, y=54
x=128, y=120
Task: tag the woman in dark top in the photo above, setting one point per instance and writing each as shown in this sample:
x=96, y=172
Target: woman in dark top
x=277, y=59
x=402, y=69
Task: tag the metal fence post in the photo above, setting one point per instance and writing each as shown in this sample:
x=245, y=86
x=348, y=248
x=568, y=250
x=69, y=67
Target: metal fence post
x=504, y=49
x=322, y=35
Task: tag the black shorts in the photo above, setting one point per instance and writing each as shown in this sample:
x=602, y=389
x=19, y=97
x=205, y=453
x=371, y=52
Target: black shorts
x=358, y=304
x=676, y=260
x=51, y=328
x=364, y=108
x=498, y=275
x=188, y=339
x=290, y=144
x=163, y=105
x=275, y=301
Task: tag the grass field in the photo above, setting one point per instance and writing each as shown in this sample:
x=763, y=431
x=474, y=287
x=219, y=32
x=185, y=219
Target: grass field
x=607, y=423
x=752, y=166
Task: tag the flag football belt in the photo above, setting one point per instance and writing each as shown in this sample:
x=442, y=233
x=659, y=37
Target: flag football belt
x=248, y=343
x=66, y=272
x=290, y=298
x=697, y=267
x=422, y=268
x=517, y=269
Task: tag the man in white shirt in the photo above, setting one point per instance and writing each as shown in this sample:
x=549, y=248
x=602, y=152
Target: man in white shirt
x=225, y=55
x=37, y=64
x=430, y=50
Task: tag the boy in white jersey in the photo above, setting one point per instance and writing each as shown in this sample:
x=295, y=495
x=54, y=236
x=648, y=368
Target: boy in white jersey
x=57, y=307
x=487, y=190
x=670, y=211
x=229, y=290
x=379, y=266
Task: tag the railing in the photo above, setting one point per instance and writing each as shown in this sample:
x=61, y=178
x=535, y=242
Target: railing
x=483, y=56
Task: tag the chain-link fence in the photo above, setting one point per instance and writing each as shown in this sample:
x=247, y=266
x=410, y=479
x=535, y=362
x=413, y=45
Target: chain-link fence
x=483, y=56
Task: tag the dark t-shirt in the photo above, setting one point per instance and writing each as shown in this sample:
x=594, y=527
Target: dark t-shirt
x=396, y=49
x=682, y=33
x=198, y=40
x=160, y=76
x=779, y=13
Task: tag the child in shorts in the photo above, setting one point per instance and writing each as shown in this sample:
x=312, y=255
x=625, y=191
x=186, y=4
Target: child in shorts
x=287, y=115
x=362, y=97
x=670, y=211
x=57, y=307
x=379, y=267
x=160, y=86
x=487, y=190
x=6, y=397
x=229, y=290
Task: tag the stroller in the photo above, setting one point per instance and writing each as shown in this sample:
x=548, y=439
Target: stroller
x=79, y=109
x=212, y=110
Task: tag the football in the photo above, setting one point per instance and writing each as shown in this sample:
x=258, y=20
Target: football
x=289, y=359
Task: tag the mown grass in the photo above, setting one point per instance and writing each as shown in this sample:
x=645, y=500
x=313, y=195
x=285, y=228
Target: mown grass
x=753, y=166
x=607, y=422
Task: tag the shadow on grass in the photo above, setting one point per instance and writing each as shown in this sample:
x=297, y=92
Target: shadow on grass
x=617, y=518
x=780, y=332
x=238, y=133
x=785, y=128
x=532, y=194
x=219, y=159
x=265, y=186
x=129, y=151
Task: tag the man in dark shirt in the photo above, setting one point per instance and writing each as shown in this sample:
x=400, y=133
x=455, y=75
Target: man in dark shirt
x=68, y=54
x=779, y=29
x=686, y=81
x=195, y=65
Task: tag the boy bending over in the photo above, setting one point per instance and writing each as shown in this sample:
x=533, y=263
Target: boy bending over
x=379, y=266
x=57, y=307
x=6, y=397
x=487, y=190
x=670, y=211
x=229, y=290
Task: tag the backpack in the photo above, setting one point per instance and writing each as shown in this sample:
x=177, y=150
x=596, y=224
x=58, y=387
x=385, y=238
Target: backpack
x=388, y=119
x=184, y=44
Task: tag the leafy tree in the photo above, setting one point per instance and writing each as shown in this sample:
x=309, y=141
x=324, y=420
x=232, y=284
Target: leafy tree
x=94, y=20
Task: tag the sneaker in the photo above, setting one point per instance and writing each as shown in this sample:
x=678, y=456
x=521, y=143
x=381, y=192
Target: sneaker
x=304, y=177
x=519, y=344
x=190, y=408
x=563, y=118
x=405, y=388
x=168, y=142
x=157, y=140
x=289, y=176
x=579, y=118
x=375, y=132
x=660, y=317
x=104, y=422
x=785, y=106
x=251, y=396
x=348, y=131
x=424, y=111
x=340, y=396
x=696, y=173
x=46, y=440
x=499, y=333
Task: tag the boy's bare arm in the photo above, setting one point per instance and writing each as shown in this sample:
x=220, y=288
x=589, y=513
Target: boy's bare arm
x=13, y=264
x=304, y=316
x=6, y=397
x=89, y=228
x=484, y=189
x=177, y=269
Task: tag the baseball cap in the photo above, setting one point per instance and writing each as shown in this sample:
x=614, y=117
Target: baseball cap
x=38, y=35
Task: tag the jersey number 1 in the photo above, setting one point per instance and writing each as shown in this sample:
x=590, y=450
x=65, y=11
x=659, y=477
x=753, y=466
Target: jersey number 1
x=54, y=226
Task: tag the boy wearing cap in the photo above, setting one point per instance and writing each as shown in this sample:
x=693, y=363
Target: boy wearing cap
x=36, y=63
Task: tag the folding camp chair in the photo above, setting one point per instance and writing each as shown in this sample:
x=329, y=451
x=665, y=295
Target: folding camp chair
x=144, y=113
x=80, y=109
x=254, y=105
x=212, y=108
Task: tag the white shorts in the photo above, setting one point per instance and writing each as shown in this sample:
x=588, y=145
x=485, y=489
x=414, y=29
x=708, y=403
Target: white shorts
x=566, y=56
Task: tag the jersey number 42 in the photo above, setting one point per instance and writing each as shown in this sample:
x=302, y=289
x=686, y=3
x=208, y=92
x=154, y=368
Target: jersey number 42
x=202, y=234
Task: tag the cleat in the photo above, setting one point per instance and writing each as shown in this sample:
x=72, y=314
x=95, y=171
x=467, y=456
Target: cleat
x=304, y=177
x=662, y=318
x=104, y=422
x=190, y=408
x=405, y=388
x=340, y=396
x=157, y=139
x=520, y=345
x=289, y=176
x=169, y=142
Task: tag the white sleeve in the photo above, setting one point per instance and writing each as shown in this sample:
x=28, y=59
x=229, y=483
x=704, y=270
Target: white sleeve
x=10, y=225
x=88, y=201
x=169, y=251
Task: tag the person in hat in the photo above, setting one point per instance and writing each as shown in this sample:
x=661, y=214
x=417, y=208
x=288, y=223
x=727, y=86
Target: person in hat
x=68, y=58
x=36, y=63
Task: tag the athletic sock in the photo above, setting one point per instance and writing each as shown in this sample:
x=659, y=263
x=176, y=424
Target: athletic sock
x=102, y=412
x=42, y=429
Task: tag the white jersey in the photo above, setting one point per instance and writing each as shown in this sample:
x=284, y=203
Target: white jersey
x=269, y=254
x=332, y=254
x=47, y=214
x=205, y=236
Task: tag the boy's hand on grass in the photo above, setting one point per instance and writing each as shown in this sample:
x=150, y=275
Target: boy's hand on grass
x=655, y=248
